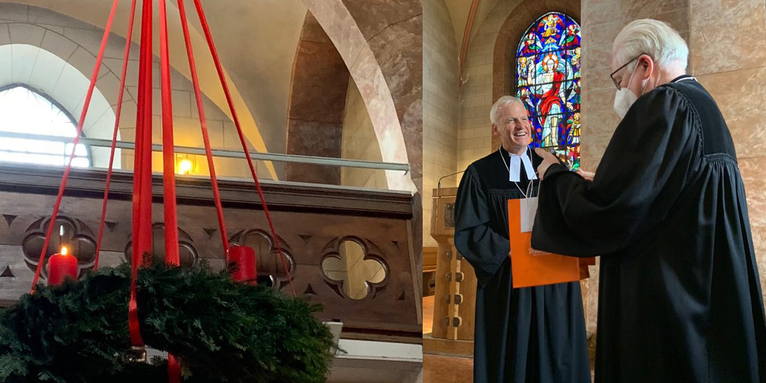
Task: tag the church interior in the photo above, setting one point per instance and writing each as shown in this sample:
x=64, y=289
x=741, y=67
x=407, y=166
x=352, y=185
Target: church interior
x=474, y=51
x=326, y=137
x=325, y=95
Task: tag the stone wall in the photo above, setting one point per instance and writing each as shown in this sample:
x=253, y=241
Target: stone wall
x=475, y=131
x=317, y=98
x=359, y=143
x=440, y=105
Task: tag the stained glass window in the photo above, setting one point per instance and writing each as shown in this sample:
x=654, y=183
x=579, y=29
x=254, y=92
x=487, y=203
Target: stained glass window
x=548, y=83
x=24, y=114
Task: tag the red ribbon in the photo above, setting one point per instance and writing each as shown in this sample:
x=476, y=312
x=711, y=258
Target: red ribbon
x=174, y=369
x=242, y=139
x=117, y=117
x=172, y=256
x=86, y=105
x=145, y=92
x=203, y=125
x=142, y=172
x=168, y=157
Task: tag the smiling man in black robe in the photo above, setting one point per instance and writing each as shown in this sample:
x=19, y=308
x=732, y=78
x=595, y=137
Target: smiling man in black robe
x=679, y=294
x=526, y=335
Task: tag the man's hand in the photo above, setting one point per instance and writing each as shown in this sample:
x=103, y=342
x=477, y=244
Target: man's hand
x=548, y=160
x=588, y=176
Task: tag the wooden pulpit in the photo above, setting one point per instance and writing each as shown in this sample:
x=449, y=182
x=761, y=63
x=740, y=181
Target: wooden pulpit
x=455, y=291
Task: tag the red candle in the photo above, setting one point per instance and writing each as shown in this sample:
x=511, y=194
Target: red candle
x=244, y=259
x=60, y=266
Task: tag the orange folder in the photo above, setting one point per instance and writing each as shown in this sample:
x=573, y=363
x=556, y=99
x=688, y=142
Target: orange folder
x=584, y=263
x=532, y=267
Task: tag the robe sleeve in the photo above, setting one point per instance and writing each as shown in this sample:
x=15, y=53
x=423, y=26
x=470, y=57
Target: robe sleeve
x=484, y=248
x=645, y=169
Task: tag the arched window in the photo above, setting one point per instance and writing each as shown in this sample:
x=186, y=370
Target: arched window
x=26, y=112
x=548, y=82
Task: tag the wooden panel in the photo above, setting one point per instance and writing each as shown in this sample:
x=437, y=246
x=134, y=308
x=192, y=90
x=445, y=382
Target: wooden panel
x=429, y=259
x=466, y=310
x=455, y=293
x=443, y=213
x=311, y=222
x=433, y=345
x=234, y=193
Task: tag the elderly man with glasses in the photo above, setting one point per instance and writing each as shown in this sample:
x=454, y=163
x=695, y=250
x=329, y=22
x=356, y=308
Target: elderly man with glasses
x=679, y=293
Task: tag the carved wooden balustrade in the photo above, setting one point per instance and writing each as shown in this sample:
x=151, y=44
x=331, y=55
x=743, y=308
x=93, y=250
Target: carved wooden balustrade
x=313, y=223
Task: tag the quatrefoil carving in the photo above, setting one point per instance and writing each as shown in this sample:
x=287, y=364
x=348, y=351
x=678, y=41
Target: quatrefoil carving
x=69, y=232
x=353, y=270
x=267, y=258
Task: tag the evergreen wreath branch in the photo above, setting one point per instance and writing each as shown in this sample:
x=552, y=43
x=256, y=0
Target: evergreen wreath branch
x=221, y=330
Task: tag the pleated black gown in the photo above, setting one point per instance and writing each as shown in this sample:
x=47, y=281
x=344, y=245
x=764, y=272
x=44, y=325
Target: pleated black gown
x=528, y=335
x=679, y=294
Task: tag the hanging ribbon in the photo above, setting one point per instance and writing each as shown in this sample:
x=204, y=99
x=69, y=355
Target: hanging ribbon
x=142, y=172
x=203, y=126
x=75, y=141
x=145, y=174
x=243, y=141
x=172, y=256
x=174, y=369
x=168, y=156
x=117, y=117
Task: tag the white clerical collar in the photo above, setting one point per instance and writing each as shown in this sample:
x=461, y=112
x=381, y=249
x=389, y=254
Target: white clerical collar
x=685, y=77
x=514, y=168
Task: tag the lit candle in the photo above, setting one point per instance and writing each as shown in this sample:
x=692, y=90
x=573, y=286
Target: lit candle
x=243, y=258
x=61, y=266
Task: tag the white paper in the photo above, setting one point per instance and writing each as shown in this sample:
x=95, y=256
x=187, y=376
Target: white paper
x=527, y=214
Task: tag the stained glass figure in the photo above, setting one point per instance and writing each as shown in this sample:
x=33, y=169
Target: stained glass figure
x=548, y=83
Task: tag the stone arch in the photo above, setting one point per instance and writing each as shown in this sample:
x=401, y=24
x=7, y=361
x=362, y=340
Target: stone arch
x=503, y=69
x=342, y=29
x=318, y=88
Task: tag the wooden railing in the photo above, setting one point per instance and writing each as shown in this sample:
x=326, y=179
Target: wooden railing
x=314, y=223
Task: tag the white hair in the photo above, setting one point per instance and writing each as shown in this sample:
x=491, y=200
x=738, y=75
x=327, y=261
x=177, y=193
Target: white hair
x=505, y=100
x=654, y=38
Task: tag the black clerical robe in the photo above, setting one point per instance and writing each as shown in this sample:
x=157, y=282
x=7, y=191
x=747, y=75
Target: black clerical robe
x=528, y=335
x=679, y=294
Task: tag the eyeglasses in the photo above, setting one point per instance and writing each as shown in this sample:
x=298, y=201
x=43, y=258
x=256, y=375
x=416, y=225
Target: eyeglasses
x=614, y=80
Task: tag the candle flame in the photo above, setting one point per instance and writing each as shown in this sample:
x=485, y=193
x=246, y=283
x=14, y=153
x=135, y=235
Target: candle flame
x=64, y=250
